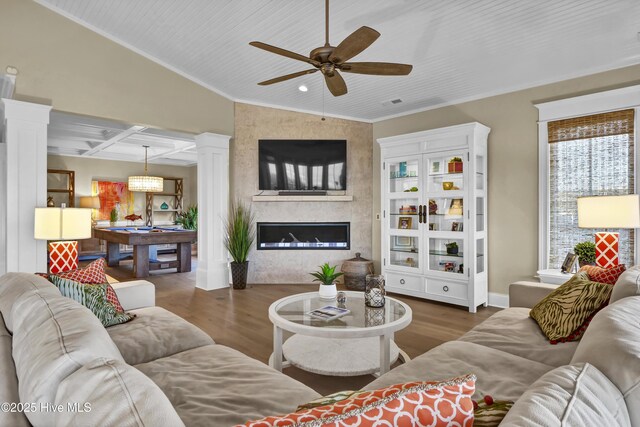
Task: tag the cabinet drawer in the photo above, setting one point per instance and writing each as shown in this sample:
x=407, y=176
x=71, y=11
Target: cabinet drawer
x=447, y=289
x=402, y=281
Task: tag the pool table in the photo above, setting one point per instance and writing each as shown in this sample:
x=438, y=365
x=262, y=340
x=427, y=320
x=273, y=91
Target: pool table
x=143, y=237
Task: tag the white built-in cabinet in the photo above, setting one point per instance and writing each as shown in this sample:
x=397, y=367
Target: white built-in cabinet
x=434, y=194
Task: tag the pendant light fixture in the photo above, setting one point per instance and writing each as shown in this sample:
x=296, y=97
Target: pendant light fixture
x=146, y=183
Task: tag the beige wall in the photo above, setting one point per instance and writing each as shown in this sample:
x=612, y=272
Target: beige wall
x=87, y=170
x=513, y=165
x=254, y=123
x=75, y=70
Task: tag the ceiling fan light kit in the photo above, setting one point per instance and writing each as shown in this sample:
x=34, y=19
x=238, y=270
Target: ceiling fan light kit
x=329, y=60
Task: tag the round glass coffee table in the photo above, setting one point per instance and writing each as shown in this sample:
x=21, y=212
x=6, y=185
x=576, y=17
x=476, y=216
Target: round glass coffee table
x=358, y=343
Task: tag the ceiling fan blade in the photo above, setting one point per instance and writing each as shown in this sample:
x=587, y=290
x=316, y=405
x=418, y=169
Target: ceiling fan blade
x=287, y=77
x=284, y=52
x=377, y=68
x=355, y=43
x=336, y=84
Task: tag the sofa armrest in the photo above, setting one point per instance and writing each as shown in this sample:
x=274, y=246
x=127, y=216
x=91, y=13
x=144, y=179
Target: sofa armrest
x=528, y=294
x=135, y=294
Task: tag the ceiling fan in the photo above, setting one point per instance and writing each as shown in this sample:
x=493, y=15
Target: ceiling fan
x=329, y=59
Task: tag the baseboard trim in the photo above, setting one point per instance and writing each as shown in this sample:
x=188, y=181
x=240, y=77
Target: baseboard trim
x=498, y=300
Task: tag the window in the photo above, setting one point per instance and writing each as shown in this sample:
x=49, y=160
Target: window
x=335, y=176
x=289, y=176
x=316, y=177
x=587, y=156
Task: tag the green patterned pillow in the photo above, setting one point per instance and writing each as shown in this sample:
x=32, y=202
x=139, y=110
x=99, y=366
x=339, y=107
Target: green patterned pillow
x=94, y=297
x=561, y=312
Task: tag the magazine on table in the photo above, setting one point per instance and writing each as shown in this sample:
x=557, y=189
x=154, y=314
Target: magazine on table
x=328, y=312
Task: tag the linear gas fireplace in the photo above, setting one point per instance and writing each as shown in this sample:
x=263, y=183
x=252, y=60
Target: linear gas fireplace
x=303, y=235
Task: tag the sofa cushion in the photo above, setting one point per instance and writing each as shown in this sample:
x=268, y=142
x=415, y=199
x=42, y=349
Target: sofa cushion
x=119, y=395
x=12, y=285
x=571, y=395
x=218, y=386
x=564, y=310
x=155, y=333
x=604, y=275
x=627, y=285
x=52, y=338
x=513, y=331
x=8, y=381
x=502, y=375
x=612, y=344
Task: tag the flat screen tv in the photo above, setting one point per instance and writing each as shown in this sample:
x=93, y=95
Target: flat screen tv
x=303, y=165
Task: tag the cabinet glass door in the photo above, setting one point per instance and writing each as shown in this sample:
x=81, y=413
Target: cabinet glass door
x=445, y=173
x=446, y=255
x=404, y=251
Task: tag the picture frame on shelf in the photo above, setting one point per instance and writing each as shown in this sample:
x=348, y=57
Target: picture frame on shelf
x=433, y=226
x=569, y=261
x=402, y=242
x=456, y=226
x=404, y=222
x=436, y=167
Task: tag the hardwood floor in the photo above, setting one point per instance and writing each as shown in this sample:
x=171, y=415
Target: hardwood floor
x=238, y=319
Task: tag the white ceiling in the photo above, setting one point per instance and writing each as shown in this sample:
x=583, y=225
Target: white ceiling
x=461, y=50
x=82, y=136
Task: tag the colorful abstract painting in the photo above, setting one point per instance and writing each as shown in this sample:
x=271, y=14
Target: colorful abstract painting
x=112, y=195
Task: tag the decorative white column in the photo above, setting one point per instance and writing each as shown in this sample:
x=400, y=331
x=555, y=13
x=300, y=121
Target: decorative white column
x=213, y=205
x=23, y=168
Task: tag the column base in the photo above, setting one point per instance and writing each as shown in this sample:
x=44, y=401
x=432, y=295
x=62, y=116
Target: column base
x=212, y=277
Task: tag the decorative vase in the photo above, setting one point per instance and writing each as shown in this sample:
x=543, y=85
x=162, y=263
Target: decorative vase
x=328, y=291
x=374, y=291
x=239, y=272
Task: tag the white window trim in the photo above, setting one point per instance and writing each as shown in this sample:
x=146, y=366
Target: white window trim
x=601, y=102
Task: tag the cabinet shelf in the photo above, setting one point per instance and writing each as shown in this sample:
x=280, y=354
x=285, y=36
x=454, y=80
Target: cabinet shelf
x=409, y=251
x=176, y=202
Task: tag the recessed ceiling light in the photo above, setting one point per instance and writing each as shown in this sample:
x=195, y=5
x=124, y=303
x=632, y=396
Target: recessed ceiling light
x=303, y=88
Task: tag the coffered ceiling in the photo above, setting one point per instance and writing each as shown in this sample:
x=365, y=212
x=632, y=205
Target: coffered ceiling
x=460, y=50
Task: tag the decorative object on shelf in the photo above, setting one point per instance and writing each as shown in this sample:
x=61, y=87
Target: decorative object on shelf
x=66, y=226
x=608, y=212
x=461, y=268
x=133, y=218
x=447, y=185
x=433, y=226
x=410, y=262
x=569, y=262
x=330, y=60
x=455, y=209
x=374, y=316
x=145, y=183
x=404, y=222
x=435, y=167
x=239, y=237
x=355, y=271
x=50, y=203
x=113, y=217
x=452, y=248
x=411, y=190
x=402, y=169
x=455, y=165
x=433, y=207
x=450, y=267
x=456, y=226
x=164, y=206
x=341, y=299
x=401, y=242
x=408, y=209
x=586, y=252
x=374, y=290
x=327, y=277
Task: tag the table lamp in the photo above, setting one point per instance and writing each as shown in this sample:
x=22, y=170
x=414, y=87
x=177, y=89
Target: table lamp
x=65, y=225
x=608, y=212
x=93, y=203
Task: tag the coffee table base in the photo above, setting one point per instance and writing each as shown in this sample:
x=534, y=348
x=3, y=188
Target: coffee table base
x=338, y=357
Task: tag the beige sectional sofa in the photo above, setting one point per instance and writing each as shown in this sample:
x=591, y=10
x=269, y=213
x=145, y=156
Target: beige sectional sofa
x=159, y=369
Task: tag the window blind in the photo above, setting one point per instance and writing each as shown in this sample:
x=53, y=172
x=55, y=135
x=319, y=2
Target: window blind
x=588, y=156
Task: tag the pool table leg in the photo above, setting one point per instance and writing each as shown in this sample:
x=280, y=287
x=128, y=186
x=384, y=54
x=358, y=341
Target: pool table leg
x=113, y=254
x=184, y=257
x=140, y=261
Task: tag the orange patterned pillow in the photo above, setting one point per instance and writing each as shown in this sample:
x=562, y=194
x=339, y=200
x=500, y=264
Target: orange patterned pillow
x=432, y=403
x=604, y=275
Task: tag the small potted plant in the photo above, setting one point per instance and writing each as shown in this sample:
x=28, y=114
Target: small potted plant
x=113, y=217
x=586, y=252
x=452, y=248
x=238, y=240
x=455, y=165
x=327, y=276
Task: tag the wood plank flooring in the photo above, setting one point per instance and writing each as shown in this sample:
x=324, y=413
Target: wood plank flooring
x=238, y=319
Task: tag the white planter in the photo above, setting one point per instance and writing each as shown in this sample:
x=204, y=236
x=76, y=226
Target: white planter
x=328, y=291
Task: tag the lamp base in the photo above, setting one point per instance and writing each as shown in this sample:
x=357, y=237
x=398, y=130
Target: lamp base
x=607, y=249
x=63, y=256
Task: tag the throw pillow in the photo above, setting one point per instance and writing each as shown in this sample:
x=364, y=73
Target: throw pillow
x=94, y=297
x=561, y=312
x=434, y=403
x=604, y=275
x=490, y=413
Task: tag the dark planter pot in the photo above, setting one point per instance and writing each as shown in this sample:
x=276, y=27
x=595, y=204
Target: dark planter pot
x=452, y=251
x=239, y=272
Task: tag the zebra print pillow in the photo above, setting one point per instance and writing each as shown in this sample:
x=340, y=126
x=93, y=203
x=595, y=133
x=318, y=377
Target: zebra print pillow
x=561, y=312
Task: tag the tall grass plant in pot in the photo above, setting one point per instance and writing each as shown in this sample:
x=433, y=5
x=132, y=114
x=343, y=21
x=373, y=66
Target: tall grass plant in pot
x=239, y=237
